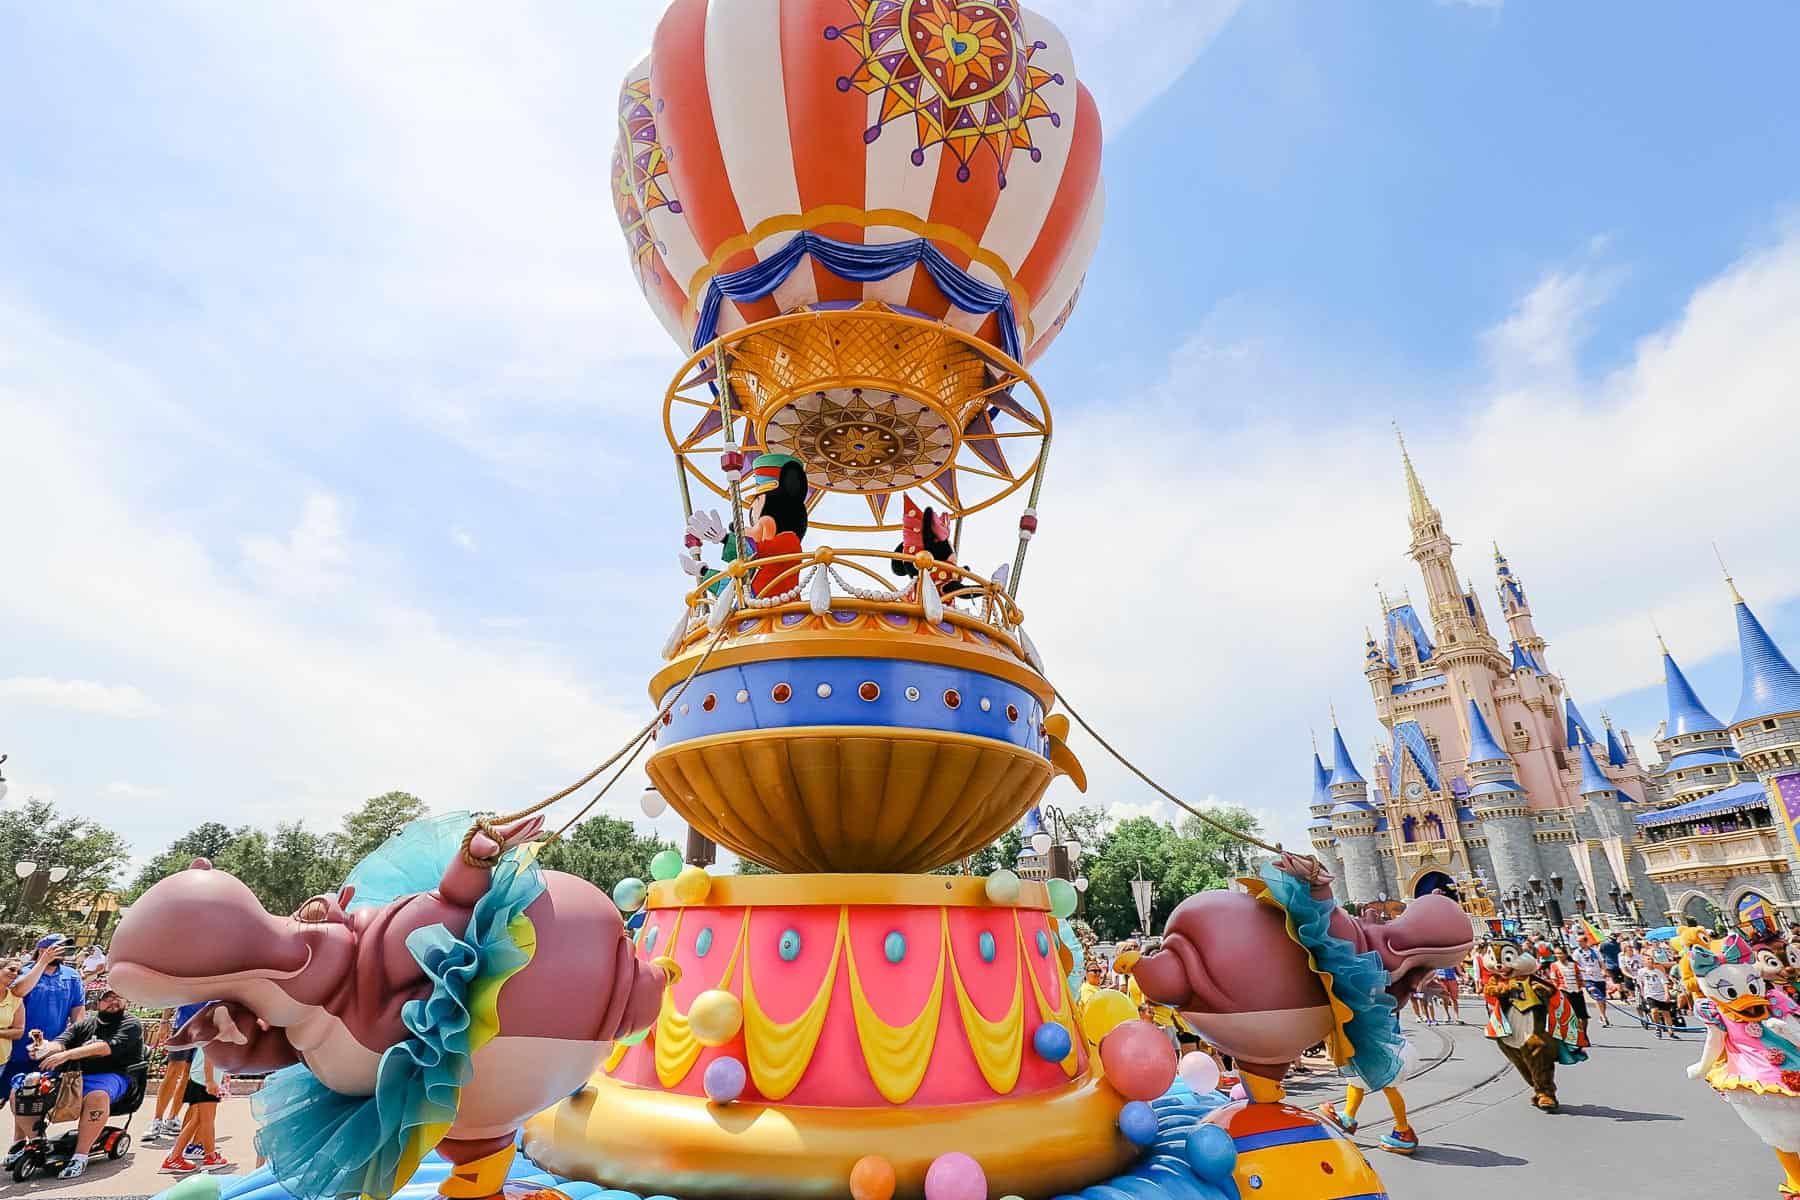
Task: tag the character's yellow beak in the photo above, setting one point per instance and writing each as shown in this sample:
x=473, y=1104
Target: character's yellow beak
x=1056, y=728
x=1126, y=960
x=1746, y=1008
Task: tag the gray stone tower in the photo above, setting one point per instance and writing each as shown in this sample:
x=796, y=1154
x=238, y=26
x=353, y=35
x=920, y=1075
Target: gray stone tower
x=1499, y=803
x=1324, y=847
x=1766, y=726
x=1353, y=821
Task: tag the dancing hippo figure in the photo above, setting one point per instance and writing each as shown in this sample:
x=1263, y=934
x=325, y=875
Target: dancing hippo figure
x=1228, y=964
x=325, y=987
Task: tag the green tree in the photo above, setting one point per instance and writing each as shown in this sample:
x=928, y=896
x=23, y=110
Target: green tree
x=37, y=832
x=1179, y=862
x=203, y=841
x=747, y=866
x=604, y=850
x=379, y=818
x=1003, y=853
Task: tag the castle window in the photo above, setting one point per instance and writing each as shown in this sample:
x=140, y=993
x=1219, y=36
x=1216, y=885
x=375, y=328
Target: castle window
x=1562, y=764
x=1707, y=771
x=1409, y=828
x=1768, y=724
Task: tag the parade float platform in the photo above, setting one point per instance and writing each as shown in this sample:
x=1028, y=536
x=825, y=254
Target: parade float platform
x=880, y=1014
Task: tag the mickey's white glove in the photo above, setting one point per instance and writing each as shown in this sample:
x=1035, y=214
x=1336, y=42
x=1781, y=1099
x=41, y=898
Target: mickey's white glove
x=691, y=565
x=707, y=527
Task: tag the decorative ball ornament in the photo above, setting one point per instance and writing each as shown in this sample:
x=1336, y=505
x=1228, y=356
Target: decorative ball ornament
x=1199, y=1072
x=1063, y=899
x=715, y=1017
x=724, y=1080
x=1137, y=1121
x=1040, y=844
x=692, y=884
x=652, y=803
x=955, y=1176
x=1052, y=1043
x=1139, y=1060
x=1211, y=1152
x=1108, y=1010
x=1002, y=887
x=628, y=894
x=666, y=865
x=872, y=1178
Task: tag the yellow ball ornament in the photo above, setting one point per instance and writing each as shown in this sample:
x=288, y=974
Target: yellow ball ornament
x=1108, y=1010
x=692, y=885
x=715, y=1017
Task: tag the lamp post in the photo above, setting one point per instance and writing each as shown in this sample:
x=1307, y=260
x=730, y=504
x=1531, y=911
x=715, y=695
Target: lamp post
x=1612, y=894
x=2, y=780
x=1062, y=852
x=34, y=883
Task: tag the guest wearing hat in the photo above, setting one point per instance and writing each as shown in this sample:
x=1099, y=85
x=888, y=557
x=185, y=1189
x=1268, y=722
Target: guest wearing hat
x=103, y=1047
x=54, y=998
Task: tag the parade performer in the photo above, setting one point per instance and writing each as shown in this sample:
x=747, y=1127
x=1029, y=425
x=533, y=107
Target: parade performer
x=446, y=993
x=1529, y=1018
x=1752, y=1054
x=775, y=492
x=1401, y=1139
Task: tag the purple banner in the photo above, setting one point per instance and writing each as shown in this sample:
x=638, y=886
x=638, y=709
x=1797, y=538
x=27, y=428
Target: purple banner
x=1788, y=788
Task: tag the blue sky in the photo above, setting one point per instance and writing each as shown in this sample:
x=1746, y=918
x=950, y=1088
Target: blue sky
x=332, y=453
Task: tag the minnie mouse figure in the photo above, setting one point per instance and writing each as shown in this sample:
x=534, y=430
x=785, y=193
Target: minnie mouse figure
x=928, y=530
x=775, y=490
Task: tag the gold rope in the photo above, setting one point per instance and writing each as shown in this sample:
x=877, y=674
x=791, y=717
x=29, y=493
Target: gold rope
x=488, y=824
x=1164, y=792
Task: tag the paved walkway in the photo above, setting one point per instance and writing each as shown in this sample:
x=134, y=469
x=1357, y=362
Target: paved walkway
x=1632, y=1124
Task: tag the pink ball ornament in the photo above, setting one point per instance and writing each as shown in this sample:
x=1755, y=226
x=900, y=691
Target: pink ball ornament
x=1139, y=1060
x=955, y=1177
x=1200, y=1072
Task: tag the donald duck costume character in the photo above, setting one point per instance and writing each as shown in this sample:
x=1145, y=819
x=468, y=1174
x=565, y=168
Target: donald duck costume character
x=1752, y=1052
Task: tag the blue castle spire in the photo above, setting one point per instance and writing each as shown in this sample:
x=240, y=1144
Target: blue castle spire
x=1342, y=769
x=1615, y=750
x=1771, y=685
x=1593, y=779
x=1321, y=792
x=1578, y=730
x=1686, y=713
x=1482, y=746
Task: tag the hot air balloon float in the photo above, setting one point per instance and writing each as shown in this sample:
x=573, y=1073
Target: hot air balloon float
x=861, y=221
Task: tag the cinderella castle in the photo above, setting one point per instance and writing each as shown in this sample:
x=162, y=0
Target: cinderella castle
x=1492, y=782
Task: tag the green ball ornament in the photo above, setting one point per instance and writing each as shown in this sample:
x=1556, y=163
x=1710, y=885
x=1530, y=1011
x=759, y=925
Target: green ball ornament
x=667, y=865
x=1003, y=887
x=628, y=894
x=1062, y=899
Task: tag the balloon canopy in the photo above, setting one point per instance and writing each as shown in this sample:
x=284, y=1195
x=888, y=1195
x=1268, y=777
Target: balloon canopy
x=937, y=156
x=895, y=201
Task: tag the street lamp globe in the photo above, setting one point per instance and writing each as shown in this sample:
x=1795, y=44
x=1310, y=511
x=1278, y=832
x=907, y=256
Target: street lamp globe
x=1040, y=844
x=58, y=874
x=1081, y=883
x=1074, y=849
x=25, y=870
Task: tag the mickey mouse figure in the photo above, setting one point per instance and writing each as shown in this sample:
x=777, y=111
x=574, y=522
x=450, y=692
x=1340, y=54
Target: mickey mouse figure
x=775, y=490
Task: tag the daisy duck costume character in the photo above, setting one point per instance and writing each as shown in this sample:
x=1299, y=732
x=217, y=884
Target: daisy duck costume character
x=1752, y=1053
x=1530, y=1020
x=774, y=493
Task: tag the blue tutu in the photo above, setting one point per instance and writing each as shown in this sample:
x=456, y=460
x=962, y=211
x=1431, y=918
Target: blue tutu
x=1355, y=983
x=320, y=1143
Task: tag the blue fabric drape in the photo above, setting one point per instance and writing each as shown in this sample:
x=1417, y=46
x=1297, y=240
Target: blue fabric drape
x=859, y=264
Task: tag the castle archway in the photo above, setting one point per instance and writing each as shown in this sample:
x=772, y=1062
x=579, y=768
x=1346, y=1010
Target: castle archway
x=1432, y=881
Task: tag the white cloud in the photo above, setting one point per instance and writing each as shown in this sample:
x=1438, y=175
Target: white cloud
x=79, y=695
x=125, y=790
x=463, y=538
x=1131, y=51
x=310, y=560
x=1542, y=334
x=1231, y=569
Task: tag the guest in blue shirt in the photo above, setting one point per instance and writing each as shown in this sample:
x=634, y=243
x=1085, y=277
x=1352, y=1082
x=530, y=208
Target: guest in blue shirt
x=54, y=999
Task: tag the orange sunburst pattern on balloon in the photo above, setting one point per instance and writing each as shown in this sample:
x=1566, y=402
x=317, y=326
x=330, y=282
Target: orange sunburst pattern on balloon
x=960, y=68
x=640, y=172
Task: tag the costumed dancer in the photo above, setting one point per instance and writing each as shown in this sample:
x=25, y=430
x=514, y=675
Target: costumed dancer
x=1752, y=1054
x=1402, y=1138
x=774, y=492
x=1529, y=1018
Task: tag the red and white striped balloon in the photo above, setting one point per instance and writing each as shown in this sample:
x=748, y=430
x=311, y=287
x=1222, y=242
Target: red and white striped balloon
x=869, y=122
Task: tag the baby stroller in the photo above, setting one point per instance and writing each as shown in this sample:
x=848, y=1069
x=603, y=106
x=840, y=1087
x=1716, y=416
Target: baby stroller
x=42, y=1154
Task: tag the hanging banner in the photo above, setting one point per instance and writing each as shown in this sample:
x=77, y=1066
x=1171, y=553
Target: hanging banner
x=1615, y=857
x=1584, y=868
x=1787, y=790
x=1140, y=896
